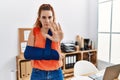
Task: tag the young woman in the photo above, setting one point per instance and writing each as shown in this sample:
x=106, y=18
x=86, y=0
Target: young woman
x=43, y=47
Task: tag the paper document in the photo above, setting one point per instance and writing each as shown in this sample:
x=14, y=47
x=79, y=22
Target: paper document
x=23, y=46
x=26, y=34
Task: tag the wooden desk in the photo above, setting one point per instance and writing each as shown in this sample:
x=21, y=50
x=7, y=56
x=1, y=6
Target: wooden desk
x=91, y=73
x=88, y=74
x=84, y=76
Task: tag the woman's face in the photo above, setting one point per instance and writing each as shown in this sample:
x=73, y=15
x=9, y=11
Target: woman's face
x=46, y=18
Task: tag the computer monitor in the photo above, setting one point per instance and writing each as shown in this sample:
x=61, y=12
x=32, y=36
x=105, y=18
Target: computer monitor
x=112, y=72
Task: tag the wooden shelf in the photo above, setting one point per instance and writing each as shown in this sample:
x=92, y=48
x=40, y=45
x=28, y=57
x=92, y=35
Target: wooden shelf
x=67, y=70
x=23, y=66
x=89, y=55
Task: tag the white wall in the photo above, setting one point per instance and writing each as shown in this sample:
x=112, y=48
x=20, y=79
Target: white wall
x=75, y=16
x=93, y=20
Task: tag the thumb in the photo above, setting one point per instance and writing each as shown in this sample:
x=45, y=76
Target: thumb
x=49, y=37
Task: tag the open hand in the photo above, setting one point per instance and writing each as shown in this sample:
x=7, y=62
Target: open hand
x=57, y=33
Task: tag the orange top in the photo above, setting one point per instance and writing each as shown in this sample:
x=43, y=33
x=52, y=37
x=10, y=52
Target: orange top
x=40, y=42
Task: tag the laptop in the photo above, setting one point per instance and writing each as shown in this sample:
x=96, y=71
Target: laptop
x=111, y=73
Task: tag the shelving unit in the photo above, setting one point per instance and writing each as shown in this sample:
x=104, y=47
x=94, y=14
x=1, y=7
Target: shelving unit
x=24, y=69
x=89, y=55
x=23, y=66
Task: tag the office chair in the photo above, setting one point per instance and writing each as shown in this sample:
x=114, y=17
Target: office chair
x=84, y=67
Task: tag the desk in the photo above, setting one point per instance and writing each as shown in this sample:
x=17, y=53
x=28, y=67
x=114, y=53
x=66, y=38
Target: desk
x=101, y=72
x=85, y=76
x=81, y=78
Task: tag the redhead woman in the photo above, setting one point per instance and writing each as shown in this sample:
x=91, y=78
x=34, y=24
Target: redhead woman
x=43, y=47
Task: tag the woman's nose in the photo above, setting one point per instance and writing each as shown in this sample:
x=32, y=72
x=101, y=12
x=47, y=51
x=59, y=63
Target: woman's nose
x=47, y=20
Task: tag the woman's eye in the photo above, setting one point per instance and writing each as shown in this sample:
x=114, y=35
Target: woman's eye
x=43, y=17
x=49, y=17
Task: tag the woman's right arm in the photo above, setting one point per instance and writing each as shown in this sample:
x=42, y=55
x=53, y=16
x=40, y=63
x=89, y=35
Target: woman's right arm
x=31, y=39
x=30, y=42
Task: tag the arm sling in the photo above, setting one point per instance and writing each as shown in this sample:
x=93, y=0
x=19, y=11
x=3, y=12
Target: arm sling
x=35, y=53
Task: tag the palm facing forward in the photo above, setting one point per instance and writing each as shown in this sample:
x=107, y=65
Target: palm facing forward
x=57, y=33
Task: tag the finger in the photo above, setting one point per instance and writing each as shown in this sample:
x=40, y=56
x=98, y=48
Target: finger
x=59, y=27
x=53, y=26
x=49, y=37
x=56, y=26
x=52, y=38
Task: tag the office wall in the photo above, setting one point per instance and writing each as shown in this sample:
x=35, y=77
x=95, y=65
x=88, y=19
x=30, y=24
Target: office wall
x=73, y=15
x=93, y=20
